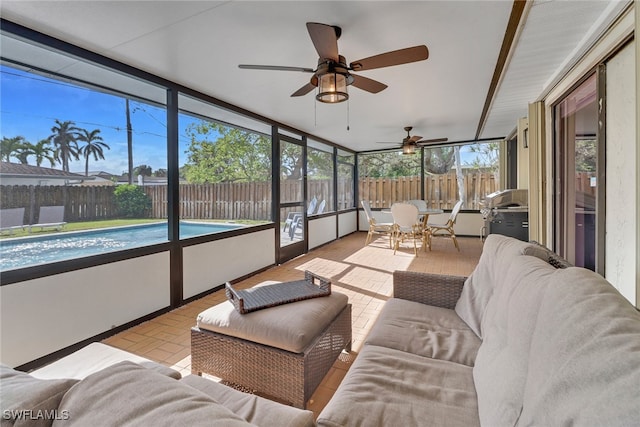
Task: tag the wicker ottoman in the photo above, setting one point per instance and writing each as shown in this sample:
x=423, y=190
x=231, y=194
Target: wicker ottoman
x=281, y=352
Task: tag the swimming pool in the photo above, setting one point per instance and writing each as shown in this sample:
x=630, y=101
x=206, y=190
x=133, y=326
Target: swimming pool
x=29, y=251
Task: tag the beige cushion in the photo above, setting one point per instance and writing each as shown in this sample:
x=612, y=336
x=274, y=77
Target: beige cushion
x=501, y=366
x=94, y=357
x=424, y=330
x=584, y=369
x=497, y=254
x=36, y=399
x=290, y=327
x=255, y=409
x=128, y=394
x=388, y=387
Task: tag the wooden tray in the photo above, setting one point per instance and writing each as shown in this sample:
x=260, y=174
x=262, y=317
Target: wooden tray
x=260, y=297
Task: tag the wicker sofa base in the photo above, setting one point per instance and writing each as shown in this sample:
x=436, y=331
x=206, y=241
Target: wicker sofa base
x=287, y=377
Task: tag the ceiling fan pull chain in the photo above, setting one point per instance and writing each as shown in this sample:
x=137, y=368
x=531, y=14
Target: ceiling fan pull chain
x=347, y=115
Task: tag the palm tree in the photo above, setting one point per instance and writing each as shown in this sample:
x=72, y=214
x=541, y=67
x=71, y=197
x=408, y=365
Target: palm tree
x=11, y=147
x=24, y=152
x=93, y=146
x=43, y=152
x=64, y=139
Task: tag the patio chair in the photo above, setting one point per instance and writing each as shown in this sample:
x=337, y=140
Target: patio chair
x=444, y=230
x=293, y=216
x=406, y=224
x=321, y=207
x=385, y=228
x=11, y=219
x=50, y=217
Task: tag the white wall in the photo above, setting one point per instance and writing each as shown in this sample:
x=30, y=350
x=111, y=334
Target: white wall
x=467, y=223
x=321, y=231
x=211, y=264
x=44, y=315
x=347, y=223
x=621, y=171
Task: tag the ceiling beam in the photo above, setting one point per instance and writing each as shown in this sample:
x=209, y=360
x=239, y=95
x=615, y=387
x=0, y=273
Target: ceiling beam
x=517, y=11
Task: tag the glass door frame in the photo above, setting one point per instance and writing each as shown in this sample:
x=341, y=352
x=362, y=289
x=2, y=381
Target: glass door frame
x=286, y=252
x=564, y=192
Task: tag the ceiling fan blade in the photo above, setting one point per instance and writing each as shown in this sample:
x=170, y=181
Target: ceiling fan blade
x=368, y=84
x=324, y=39
x=275, y=68
x=396, y=57
x=414, y=138
x=304, y=90
x=432, y=141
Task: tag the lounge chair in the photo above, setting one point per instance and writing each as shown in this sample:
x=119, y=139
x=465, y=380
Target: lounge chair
x=298, y=221
x=50, y=217
x=294, y=216
x=11, y=219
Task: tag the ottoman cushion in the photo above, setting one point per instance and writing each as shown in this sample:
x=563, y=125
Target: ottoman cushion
x=290, y=327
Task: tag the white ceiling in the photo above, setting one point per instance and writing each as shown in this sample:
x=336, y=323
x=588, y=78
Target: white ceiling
x=199, y=44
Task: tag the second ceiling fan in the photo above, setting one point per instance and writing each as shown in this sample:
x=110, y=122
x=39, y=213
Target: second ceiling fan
x=332, y=74
x=410, y=143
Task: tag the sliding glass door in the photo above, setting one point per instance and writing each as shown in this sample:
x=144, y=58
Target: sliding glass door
x=576, y=195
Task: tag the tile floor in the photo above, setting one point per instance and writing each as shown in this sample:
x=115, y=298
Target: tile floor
x=362, y=273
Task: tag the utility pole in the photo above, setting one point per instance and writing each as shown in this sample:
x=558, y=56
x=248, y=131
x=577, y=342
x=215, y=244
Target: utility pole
x=129, y=141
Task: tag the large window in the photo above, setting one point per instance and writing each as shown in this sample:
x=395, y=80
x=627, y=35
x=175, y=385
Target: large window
x=388, y=177
x=448, y=174
x=80, y=152
x=320, y=176
x=225, y=169
x=346, y=180
x=468, y=172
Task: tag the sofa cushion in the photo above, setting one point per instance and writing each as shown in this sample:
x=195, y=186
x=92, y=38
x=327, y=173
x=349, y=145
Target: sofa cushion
x=500, y=370
x=497, y=254
x=424, y=330
x=585, y=363
x=129, y=394
x=254, y=409
x=94, y=357
x=34, y=401
x=290, y=327
x=388, y=387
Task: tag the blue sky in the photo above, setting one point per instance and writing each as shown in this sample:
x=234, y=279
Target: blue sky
x=29, y=105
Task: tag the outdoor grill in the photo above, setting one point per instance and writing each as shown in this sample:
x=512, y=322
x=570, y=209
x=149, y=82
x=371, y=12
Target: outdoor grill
x=506, y=212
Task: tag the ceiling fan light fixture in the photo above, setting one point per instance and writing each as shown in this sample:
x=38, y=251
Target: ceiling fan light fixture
x=332, y=88
x=408, y=149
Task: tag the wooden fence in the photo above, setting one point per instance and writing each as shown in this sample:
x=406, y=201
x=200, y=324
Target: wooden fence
x=440, y=191
x=252, y=201
x=81, y=203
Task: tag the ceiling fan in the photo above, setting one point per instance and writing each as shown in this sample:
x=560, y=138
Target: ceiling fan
x=410, y=143
x=332, y=74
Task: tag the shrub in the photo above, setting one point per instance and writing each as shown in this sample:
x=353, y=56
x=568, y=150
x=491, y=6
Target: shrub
x=132, y=202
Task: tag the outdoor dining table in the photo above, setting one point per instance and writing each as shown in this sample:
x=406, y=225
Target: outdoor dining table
x=424, y=213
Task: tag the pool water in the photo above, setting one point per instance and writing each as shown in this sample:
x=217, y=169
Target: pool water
x=29, y=251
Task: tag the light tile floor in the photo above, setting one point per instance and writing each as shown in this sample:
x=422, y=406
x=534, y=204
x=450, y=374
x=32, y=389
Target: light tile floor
x=362, y=273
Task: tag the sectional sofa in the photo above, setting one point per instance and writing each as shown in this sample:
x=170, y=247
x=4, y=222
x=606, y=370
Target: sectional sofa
x=103, y=386
x=517, y=343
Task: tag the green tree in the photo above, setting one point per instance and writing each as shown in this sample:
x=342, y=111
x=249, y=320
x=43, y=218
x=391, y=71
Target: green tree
x=93, y=146
x=586, y=155
x=487, y=156
x=42, y=151
x=24, y=152
x=11, y=147
x=132, y=201
x=63, y=138
x=144, y=170
x=439, y=160
x=220, y=153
